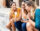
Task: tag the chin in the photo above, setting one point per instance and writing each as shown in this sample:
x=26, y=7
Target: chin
x=14, y=8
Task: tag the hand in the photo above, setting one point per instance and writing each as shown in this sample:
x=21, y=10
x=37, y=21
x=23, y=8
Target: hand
x=30, y=20
x=12, y=20
x=24, y=21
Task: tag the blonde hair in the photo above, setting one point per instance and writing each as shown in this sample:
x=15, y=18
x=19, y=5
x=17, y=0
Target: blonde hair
x=33, y=10
x=31, y=3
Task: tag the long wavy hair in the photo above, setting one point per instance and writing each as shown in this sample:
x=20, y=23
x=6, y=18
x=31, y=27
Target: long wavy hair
x=31, y=3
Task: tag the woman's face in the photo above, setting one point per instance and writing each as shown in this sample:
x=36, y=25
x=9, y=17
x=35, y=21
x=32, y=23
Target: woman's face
x=14, y=6
x=28, y=8
x=23, y=5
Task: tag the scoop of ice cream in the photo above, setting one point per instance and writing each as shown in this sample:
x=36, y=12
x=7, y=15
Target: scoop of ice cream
x=15, y=13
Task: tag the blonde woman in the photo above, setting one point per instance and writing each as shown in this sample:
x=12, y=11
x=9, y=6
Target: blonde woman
x=30, y=26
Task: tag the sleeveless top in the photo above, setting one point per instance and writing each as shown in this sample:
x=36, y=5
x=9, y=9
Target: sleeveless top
x=24, y=17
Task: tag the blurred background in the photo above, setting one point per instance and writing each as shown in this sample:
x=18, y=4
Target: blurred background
x=7, y=3
x=5, y=6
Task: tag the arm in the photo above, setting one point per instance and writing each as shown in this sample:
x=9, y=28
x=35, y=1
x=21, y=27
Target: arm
x=32, y=22
x=9, y=25
x=12, y=21
x=24, y=21
x=11, y=17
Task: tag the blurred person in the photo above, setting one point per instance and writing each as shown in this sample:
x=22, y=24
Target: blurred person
x=23, y=5
x=23, y=10
x=15, y=16
x=2, y=3
x=30, y=26
x=36, y=24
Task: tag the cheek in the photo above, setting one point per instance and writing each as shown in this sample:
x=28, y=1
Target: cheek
x=26, y=8
x=23, y=6
x=29, y=8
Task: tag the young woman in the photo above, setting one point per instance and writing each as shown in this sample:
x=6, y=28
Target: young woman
x=23, y=9
x=31, y=24
x=3, y=3
x=26, y=15
x=15, y=16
